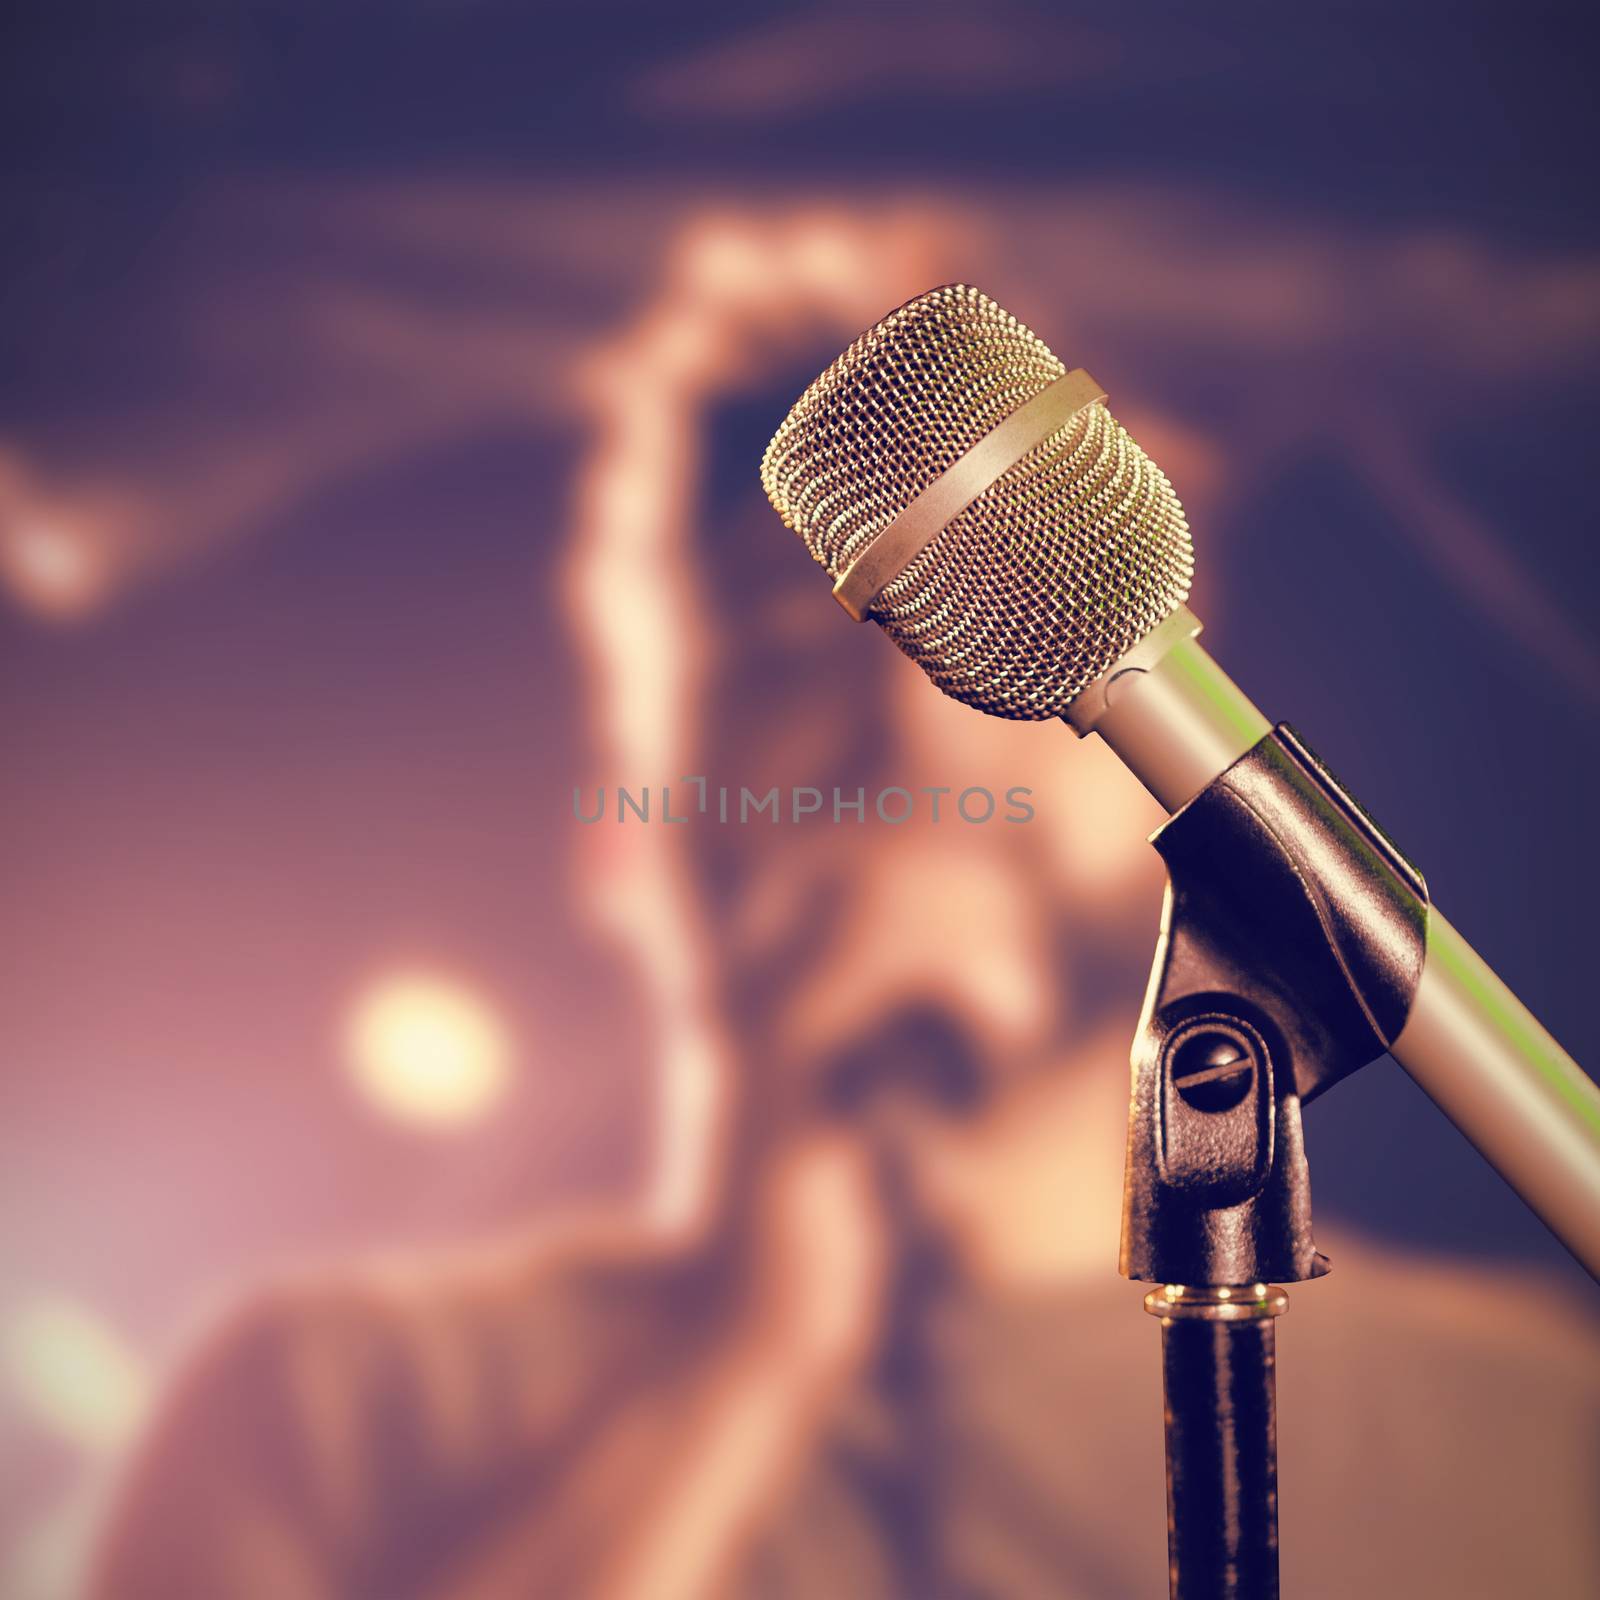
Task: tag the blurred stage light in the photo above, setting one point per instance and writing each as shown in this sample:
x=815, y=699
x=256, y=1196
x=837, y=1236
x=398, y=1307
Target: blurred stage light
x=55, y=571
x=427, y=1051
x=70, y=1371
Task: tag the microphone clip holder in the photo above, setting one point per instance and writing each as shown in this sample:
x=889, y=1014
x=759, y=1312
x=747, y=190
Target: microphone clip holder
x=1292, y=941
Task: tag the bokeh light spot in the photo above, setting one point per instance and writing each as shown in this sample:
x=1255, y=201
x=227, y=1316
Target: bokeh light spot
x=428, y=1051
x=53, y=569
x=69, y=1369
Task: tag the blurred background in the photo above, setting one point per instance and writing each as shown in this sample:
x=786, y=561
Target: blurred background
x=381, y=398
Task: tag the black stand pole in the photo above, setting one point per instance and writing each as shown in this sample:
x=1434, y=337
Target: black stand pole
x=1222, y=1448
x=1291, y=943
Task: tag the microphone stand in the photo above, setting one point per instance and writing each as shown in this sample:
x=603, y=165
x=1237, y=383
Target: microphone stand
x=1293, y=936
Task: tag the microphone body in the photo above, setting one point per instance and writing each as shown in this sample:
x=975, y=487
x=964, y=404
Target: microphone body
x=982, y=505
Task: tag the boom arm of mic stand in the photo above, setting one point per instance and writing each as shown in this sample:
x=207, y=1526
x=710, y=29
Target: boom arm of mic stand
x=1532, y=1112
x=1179, y=721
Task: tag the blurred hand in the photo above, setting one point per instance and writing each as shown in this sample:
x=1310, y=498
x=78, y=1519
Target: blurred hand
x=723, y=1439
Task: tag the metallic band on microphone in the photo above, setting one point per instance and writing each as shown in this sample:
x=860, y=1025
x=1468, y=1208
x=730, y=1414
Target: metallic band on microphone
x=994, y=455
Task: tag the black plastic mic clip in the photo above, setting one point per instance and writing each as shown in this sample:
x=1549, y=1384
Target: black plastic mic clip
x=1292, y=941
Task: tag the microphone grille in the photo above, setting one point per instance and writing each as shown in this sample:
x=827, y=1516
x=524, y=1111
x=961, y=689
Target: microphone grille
x=1027, y=596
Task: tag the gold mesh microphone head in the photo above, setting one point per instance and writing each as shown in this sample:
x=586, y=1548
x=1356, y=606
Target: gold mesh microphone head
x=1023, y=596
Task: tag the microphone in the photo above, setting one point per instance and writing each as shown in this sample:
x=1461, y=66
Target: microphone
x=981, y=504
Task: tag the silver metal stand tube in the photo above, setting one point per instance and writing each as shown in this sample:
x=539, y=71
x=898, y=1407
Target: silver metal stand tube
x=1482, y=1057
x=1172, y=714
